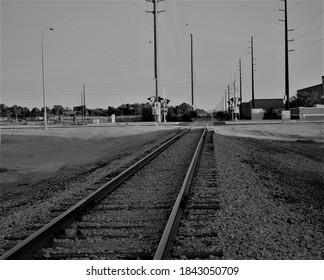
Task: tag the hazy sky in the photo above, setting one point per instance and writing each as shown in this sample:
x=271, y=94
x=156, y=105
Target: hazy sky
x=108, y=46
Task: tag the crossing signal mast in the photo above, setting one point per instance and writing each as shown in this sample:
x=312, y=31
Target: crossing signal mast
x=155, y=13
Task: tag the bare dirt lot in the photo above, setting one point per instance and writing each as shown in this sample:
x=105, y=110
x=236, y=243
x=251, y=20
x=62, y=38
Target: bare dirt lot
x=28, y=155
x=31, y=154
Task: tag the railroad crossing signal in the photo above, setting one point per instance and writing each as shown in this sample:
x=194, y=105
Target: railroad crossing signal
x=159, y=107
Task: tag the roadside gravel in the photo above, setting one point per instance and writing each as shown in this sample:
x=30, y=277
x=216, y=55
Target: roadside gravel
x=271, y=197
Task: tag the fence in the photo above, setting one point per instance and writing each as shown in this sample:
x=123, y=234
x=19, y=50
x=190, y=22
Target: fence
x=69, y=120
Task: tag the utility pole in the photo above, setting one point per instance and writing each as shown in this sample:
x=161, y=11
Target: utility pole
x=252, y=66
x=155, y=13
x=286, y=55
x=84, y=105
x=234, y=101
x=225, y=101
x=44, y=95
x=241, y=100
x=82, y=113
x=192, y=75
x=164, y=101
x=286, y=58
x=229, y=100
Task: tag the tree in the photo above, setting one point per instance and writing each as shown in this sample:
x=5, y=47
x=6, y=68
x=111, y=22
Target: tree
x=138, y=108
x=303, y=99
x=147, y=114
x=48, y=110
x=25, y=112
x=113, y=110
x=35, y=112
x=184, y=112
x=4, y=111
x=57, y=110
x=15, y=111
x=2, y=108
x=125, y=109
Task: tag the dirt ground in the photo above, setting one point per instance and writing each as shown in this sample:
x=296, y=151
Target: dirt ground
x=41, y=168
x=32, y=154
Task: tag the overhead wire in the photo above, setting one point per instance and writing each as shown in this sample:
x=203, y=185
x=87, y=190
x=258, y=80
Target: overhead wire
x=267, y=20
x=173, y=30
x=309, y=32
x=307, y=21
x=270, y=59
x=294, y=6
x=271, y=66
x=271, y=51
x=310, y=44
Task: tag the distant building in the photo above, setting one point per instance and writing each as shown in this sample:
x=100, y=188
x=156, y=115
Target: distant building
x=317, y=90
x=267, y=108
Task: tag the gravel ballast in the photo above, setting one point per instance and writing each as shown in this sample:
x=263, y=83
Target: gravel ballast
x=271, y=198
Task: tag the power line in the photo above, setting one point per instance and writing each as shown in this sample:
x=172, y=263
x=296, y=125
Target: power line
x=307, y=21
x=313, y=43
x=174, y=35
x=270, y=59
x=169, y=57
x=266, y=54
x=265, y=23
x=183, y=23
x=273, y=65
x=138, y=6
x=305, y=34
x=265, y=38
x=293, y=7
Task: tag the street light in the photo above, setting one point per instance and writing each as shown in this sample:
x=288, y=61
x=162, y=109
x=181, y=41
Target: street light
x=44, y=96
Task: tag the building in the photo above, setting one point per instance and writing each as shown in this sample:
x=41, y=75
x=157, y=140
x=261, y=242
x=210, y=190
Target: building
x=311, y=113
x=264, y=108
x=317, y=90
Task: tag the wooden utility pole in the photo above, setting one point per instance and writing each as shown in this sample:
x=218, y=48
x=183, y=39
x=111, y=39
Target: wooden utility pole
x=155, y=12
x=84, y=105
x=192, y=75
x=225, y=101
x=229, y=100
x=241, y=100
x=252, y=67
x=286, y=58
x=82, y=114
x=286, y=55
x=234, y=102
x=155, y=52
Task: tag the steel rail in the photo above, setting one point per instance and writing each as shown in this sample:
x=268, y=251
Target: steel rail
x=172, y=225
x=38, y=239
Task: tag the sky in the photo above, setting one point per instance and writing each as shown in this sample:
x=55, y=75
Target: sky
x=108, y=46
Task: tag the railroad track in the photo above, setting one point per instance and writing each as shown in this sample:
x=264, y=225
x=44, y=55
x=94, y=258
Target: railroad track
x=191, y=231
x=126, y=217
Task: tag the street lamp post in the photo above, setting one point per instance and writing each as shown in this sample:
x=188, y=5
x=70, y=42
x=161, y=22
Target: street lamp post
x=44, y=95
